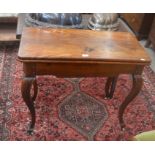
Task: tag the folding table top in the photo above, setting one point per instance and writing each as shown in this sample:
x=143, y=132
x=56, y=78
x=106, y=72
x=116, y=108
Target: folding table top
x=77, y=44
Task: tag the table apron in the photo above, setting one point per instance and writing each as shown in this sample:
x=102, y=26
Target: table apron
x=80, y=70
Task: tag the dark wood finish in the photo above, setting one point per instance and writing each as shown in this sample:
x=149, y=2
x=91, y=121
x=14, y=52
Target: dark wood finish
x=80, y=53
x=110, y=87
x=151, y=38
x=73, y=44
x=140, y=23
x=137, y=84
x=27, y=83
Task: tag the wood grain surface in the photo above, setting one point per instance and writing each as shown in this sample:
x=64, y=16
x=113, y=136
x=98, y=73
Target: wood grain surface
x=75, y=44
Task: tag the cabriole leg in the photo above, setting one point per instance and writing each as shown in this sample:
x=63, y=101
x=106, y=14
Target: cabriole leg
x=136, y=87
x=110, y=87
x=27, y=83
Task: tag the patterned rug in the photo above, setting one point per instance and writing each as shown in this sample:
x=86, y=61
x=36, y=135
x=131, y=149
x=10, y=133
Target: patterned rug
x=71, y=109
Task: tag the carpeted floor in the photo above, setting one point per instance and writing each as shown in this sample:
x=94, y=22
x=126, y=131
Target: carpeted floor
x=71, y=109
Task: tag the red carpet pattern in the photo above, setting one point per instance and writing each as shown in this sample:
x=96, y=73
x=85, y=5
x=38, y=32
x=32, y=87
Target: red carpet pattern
x=71, y=109
x=82, y=111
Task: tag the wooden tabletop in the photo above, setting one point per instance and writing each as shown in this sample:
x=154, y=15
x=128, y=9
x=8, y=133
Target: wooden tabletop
x=74, y=44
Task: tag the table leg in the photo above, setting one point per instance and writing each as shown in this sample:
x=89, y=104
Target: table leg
x=35, y=87
x=27, y=83
x=110, y=87
x=136, y=87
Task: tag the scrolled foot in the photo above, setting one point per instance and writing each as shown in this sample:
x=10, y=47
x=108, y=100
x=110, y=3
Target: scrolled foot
x=30, y=131
x=107, y=98
x=122, y=126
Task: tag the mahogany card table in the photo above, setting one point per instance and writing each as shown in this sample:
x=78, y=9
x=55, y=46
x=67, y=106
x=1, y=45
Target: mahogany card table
x=80, y=53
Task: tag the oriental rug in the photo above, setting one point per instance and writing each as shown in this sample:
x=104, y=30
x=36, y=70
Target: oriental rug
x=71, y=109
